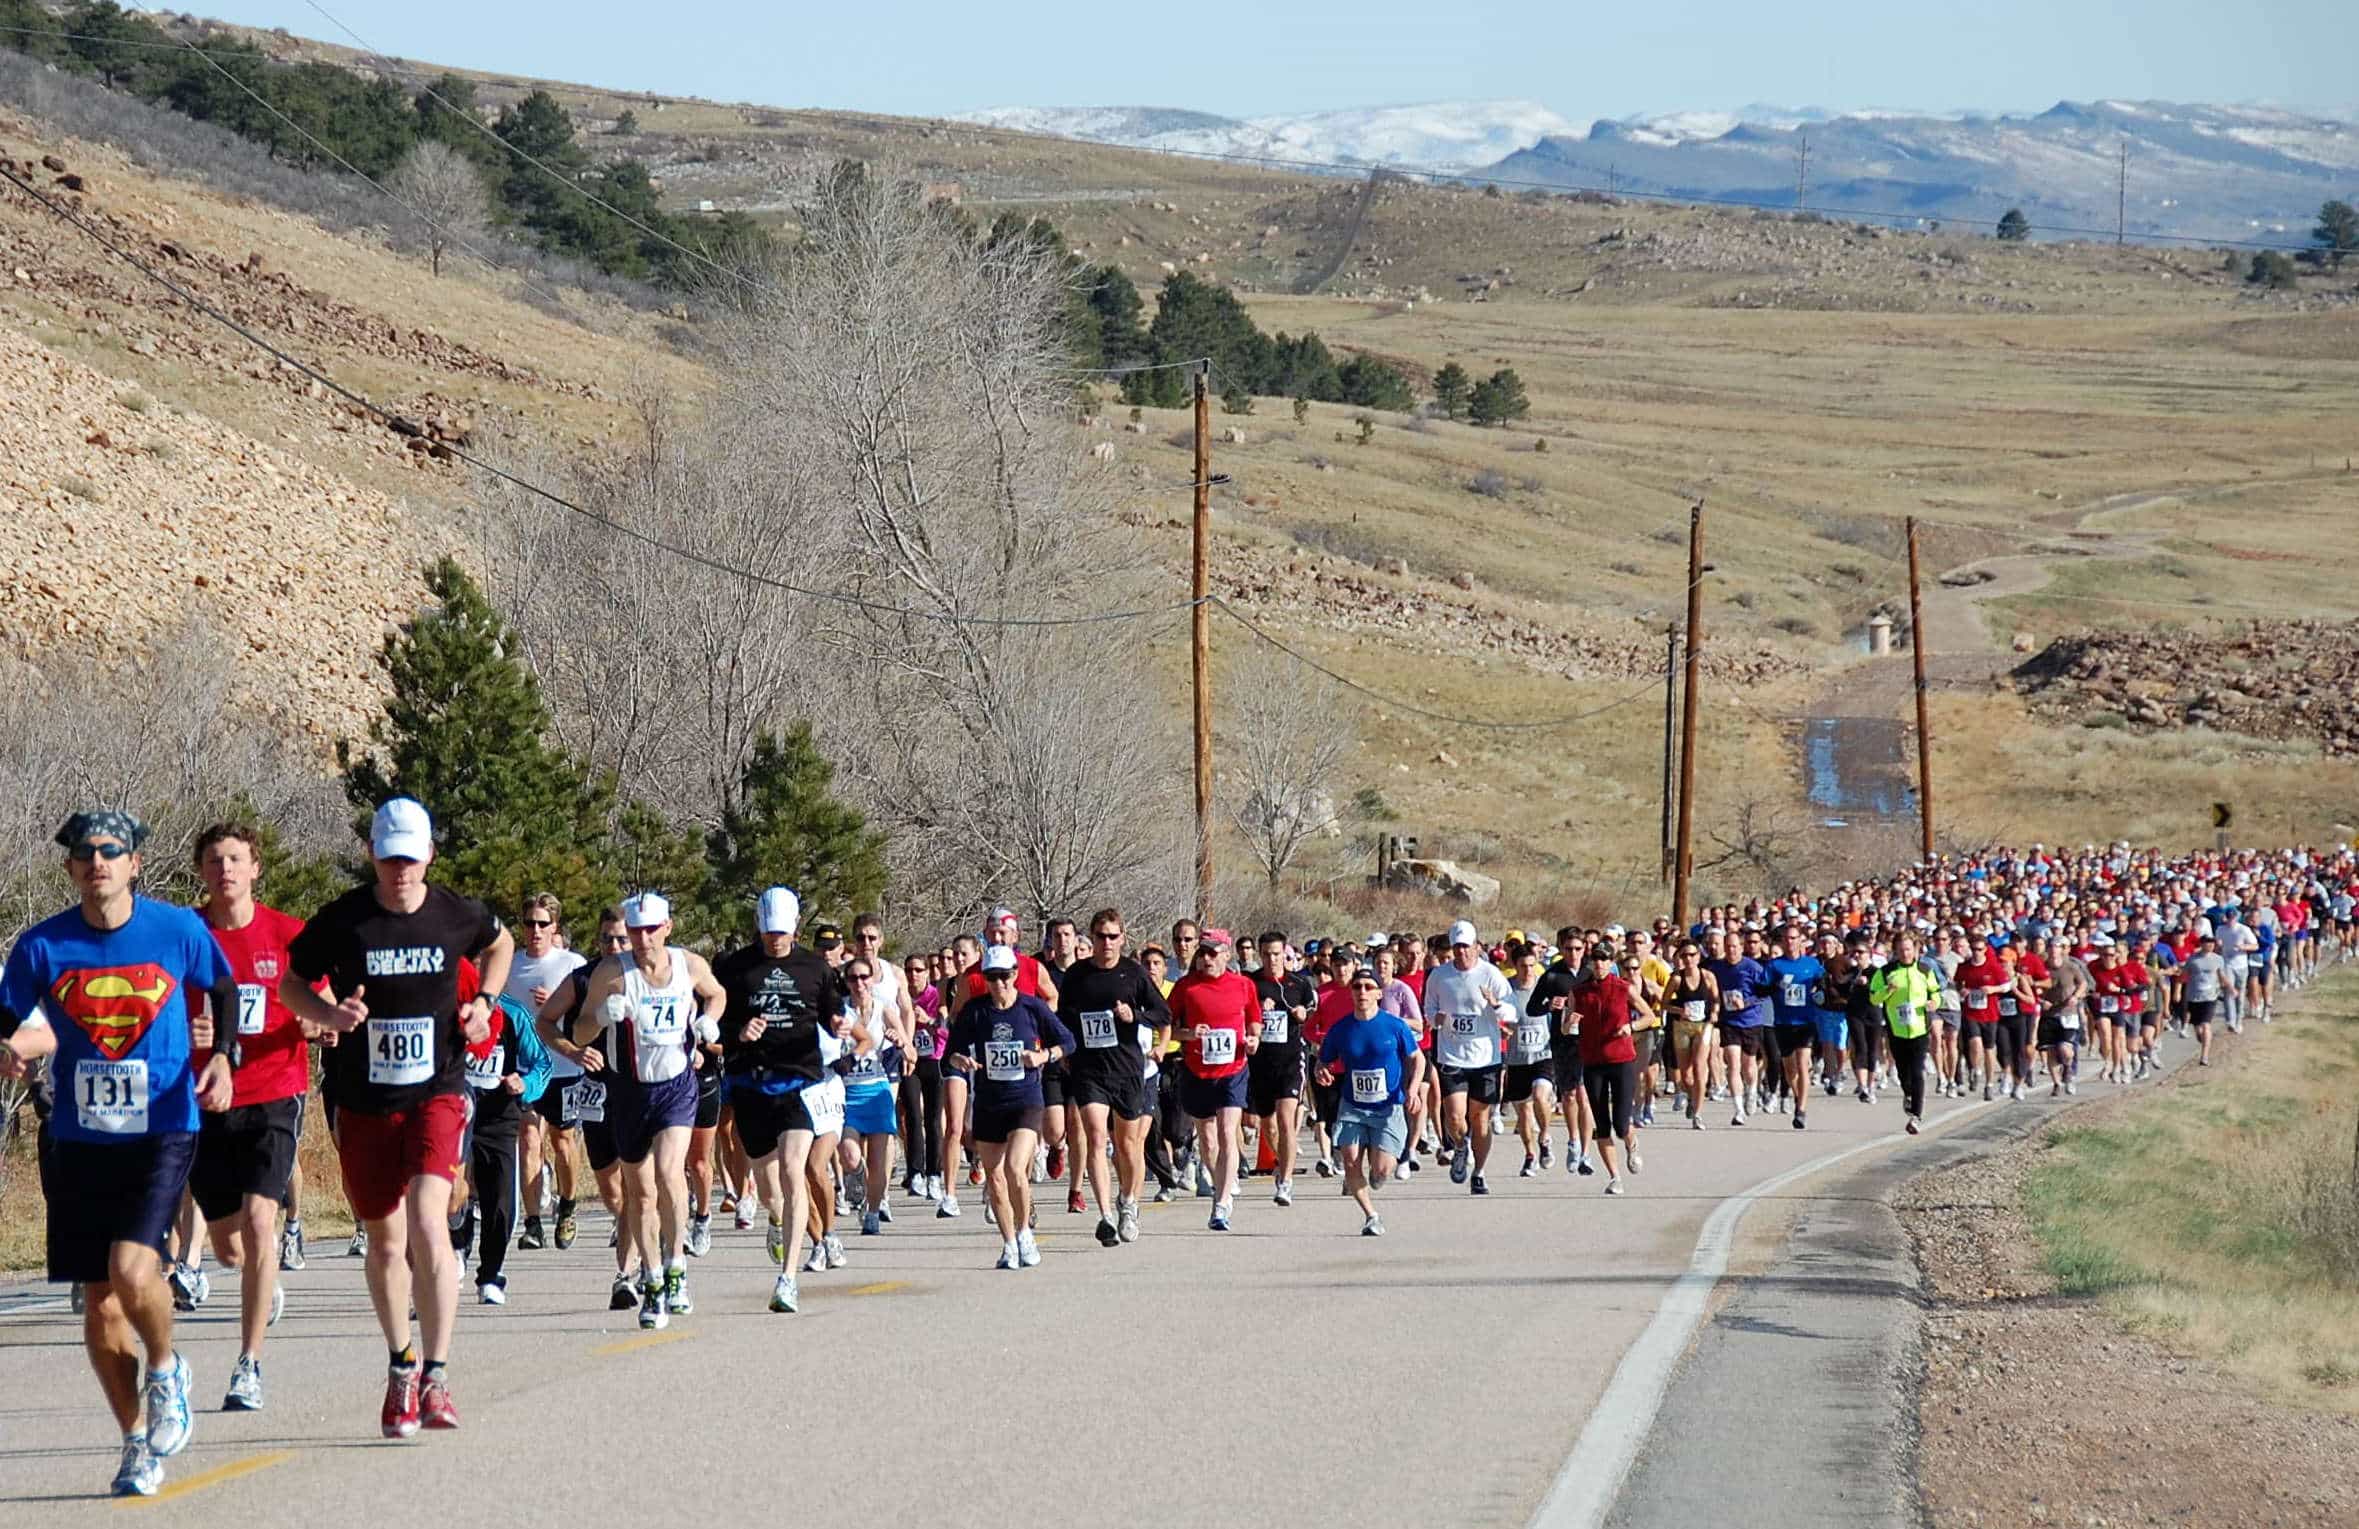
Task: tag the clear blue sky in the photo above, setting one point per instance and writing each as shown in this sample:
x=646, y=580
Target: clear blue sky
x=931, y=57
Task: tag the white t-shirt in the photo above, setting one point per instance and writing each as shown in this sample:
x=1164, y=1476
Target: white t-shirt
x=1465, y=1010
x=550, y=971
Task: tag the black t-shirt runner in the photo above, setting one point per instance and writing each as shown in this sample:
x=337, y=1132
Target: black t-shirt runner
x=1086, y=995
x=411, y=1047
x=793, y=995
x=1281, y=1034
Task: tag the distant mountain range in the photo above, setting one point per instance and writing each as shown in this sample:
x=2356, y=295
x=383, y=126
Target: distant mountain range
x=2211, y=172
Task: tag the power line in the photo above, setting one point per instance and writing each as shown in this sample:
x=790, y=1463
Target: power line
x=1612, y=187
x=408, y=427
x=1489, y=723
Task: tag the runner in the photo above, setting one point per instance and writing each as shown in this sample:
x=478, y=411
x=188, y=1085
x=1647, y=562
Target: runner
x=1469, y=1000
x=786, y=1011
x=652, y=1007
x=966, y=958
x=541, y=965
x=1552, y=1000
x=1798, y=994
x=1741, y=982
x=1113, y=1008
x=1694, y=998
x=1061, y=1117
x=2063, y=1005
x=1273, y=1080
x=586, y=1098
x=1338, y=965
x=390, y=952
x=921, y=1091
x=246, y=1156
x=879, y=1046
x=1983, y=979
x=1904, y=994
x=106, y=990
x=1004, y=1039
x=2203, y=977
x=1607, y=1004
x=1529, y=1081
x=1371, y=1059
x=1217, y=1013
x=503, y=1072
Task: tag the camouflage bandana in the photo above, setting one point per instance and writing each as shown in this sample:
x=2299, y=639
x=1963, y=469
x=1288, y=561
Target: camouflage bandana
x=107, y=820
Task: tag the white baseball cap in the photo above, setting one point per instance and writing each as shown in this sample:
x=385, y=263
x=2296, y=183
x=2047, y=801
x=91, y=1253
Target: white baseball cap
x=781, y=912
x=1462, y=933
x=999, y=958
x=402, y=830
x=646, y=911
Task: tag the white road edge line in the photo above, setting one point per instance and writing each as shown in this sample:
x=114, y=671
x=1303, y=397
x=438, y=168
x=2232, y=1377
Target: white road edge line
x=1590, y=1480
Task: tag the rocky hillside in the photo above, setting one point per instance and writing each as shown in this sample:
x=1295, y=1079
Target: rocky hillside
x=2273, y=679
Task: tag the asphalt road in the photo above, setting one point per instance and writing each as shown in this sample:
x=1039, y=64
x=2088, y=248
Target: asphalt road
x=1289, y=1370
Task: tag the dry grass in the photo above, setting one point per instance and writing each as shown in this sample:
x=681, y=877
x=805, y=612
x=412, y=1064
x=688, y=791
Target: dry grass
x=2180, y=1208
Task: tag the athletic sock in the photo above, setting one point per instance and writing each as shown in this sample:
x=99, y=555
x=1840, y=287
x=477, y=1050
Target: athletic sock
x=433, y=1370
x=404, y=1358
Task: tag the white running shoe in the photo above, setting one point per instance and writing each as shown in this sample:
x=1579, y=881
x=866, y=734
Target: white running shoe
x=1613, y=1186
x=1027, y=1249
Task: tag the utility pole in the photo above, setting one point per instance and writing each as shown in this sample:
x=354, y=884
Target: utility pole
x=2121, y=196
x=1916, y=642
x=1200, y=639
x=1684, y=864
x=1802, y=171
x=1670, y=694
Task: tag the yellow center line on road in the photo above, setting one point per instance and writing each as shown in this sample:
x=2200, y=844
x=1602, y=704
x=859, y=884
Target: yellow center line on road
x=633, y=1345
x=882, y=1287
x=214, y=1477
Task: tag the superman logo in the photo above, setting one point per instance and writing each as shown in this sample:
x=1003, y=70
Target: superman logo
x=114, y=1005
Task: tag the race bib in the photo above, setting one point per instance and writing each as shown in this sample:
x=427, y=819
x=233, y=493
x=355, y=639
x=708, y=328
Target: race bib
x=1003, y=1061
x=484, y=1075
x=401, y=1050
x=111, y=1097
x=1734, y=1003
x=1531, y=1037
x=1097, y=1029
x=1218, y=1048
x=2069, y=1019
x=1904, y=1016
x=1273, y=1026
x=924, y=1046
x=1694, y=1009
x=869, y=1066
x=1370, y=1086
x=2007, y=1007
x=2108, y=1004
x=825, y=1106
x=1794, y=995
x=585, y=1100
x=253, y=1007
x=663, y=1020
x=1465, y=1024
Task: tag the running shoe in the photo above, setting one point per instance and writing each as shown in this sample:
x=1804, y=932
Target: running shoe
x=567, y=1230
x=745, y=1214
x=1695, y=1122
x=187, y=1293
x=493, y=1292
x=614, y=1238
x=290, y=1247
x=1027, y=1249
x=625, y=1294
x=1324, y=1168
x=975, y=1175
x=1635, y=1163
x=700, y=1236
x=1547, y=1158
x=359, y=1246
x=835, y=1251
x=1912, y=1125
x=245, y=1386
x=1165, y=1194
x=532, y=1240
x=1863, y=1093
x=947, y=1208
x=1108, y=1234
x=653, y=1315
x=871, y=1224
x=1460, y=1155
x=435, y=1408
x=675, y=1293
x=140, y=1472
x=1986, y=1093
x=884, y=1213
x=1613, y=1186
x=1646, y=1115
x=1477, y=1186
x=1738, y=1118
x=2071, y=1088
x=1799, y=1119
x=816, y=1262
x=1074, y=1204
x=1056, y=1161
x=1530, y=1167
x=1410, y=1166
x=1220, y=1216
x=278, y=1305
x=1284, y=1194
x=783, y=1295
x=1584, y=1167
x=1007, y=1257
x=1203, y=1182
x=399, y=1419
x=167, y=1409
x=1373, y=1226
x=1127, y=1225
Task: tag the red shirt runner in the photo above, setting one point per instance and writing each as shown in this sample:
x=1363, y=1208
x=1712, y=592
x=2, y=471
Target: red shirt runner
x=278, y=1064
x=1211, y=1016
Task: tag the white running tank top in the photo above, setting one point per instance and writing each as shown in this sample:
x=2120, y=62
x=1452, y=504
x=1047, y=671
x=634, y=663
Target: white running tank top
x=651, y=1024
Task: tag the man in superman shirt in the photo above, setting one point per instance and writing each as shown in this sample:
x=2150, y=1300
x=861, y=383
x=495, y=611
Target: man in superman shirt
x=106, y=990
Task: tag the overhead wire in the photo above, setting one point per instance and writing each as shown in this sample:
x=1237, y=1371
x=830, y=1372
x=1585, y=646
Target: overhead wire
x=398, y=422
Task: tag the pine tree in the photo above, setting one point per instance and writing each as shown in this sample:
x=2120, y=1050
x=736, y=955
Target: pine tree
x=786, y=829
x=2337, y=230
x=1452, y=389
x=1498, y=398
x=465, y=731
x=1373, y=385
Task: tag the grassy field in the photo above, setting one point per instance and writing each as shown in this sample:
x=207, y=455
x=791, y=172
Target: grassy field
x=2184, y=1210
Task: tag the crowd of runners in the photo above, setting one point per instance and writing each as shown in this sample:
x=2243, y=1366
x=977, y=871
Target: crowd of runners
x=483, y=1085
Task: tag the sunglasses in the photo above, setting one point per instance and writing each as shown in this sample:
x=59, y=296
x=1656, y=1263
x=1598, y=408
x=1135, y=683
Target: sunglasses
x=618, y=941
x=83, y=854
x=1106, y=934
x=540, y=923
x=999, y=976
x=863, y=976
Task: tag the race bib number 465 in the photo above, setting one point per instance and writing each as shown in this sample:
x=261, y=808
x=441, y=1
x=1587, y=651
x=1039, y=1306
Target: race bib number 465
x=401, y=1050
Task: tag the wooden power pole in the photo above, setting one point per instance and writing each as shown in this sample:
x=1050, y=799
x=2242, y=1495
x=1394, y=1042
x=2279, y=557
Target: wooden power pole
x=2121, y=197
x=1670, y=748
x=1802, y=171
x=1916, y=643
x=1200, y=639
x=1685, y=859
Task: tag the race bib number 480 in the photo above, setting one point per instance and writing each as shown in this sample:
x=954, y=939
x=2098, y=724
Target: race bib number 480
x=401, y=1050
x=111, y=1097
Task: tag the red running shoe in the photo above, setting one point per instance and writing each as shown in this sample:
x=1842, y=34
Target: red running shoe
x=1074, y=1205
x=434, y=1403
x=400, y=1418
x=1056, y=1163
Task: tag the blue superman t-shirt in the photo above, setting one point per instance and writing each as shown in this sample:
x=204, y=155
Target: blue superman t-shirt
x=117, y=1000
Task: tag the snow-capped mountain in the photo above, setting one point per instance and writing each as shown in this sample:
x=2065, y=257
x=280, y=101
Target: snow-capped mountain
x=1448, y=135
x=2211, y=172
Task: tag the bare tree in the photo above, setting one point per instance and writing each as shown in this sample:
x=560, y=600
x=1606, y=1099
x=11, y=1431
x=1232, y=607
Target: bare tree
x=446, y=194
x=1763, y=843
x=1286, y=732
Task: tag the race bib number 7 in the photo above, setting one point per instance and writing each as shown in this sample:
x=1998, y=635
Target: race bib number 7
x=111, y=1097
x=401, y=1050
x=253, y=1008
